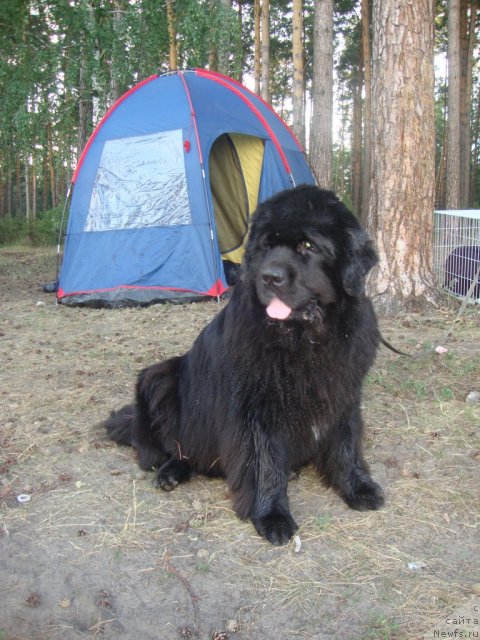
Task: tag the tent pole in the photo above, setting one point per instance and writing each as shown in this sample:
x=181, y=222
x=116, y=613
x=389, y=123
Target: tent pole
x=60, y=233
x=204, y=180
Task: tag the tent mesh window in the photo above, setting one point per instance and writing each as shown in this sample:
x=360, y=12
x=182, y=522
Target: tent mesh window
x=456, y=252
x=137, y=179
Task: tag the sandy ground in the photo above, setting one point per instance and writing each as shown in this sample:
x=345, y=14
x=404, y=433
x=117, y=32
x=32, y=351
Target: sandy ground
x=89, y=548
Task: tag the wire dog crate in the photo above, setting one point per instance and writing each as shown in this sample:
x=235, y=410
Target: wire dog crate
x=456, y=252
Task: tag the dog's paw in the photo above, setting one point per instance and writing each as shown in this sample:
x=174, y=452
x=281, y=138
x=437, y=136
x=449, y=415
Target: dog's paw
x=366, y=496
x=276, y=528
x=150, y=459
x=171, y=474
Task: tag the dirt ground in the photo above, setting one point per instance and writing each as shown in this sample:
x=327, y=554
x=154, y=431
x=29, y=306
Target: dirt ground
x=89, y=548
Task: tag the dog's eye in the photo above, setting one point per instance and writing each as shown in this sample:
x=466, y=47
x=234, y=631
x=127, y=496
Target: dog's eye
x=305, y=246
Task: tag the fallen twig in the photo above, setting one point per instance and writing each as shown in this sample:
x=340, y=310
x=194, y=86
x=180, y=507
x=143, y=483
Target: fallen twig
x=171, y=568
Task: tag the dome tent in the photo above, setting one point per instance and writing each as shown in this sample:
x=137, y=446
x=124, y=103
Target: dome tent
x=165, y=186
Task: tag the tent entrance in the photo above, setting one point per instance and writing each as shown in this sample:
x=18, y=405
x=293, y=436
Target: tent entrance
x=235, y=166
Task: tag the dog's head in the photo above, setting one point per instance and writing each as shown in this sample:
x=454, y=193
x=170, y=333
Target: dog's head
x=305, y=251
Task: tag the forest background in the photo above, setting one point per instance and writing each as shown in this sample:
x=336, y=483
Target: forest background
x=377, y=92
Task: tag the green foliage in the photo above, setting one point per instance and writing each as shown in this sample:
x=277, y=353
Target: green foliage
x=12, y=230
x=63, y=60
x=63, y=64
x=208, y=29
x=43, y=231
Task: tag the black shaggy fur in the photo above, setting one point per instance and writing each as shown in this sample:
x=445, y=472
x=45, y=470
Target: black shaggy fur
x=257, y=397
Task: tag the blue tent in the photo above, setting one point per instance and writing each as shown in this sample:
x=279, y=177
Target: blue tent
x=165, y=186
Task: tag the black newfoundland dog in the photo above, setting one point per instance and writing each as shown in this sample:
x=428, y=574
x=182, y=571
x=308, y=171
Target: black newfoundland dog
x=274, y=381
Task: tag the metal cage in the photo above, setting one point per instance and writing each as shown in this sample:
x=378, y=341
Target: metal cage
x=456, y=252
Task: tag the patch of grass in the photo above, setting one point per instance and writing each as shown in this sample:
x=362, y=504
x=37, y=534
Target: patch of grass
x=322, y=522
x=429, y=377
x=380, y=628
x=447, y=394
x=420, y=388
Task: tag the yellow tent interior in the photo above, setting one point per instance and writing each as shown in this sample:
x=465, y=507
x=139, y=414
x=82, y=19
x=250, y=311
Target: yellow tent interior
x=235, y=166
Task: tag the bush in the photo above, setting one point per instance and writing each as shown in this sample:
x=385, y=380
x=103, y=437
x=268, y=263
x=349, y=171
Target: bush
x=11, y=230
x=44, y=230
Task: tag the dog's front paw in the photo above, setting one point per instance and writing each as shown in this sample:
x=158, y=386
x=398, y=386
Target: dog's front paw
x=171, y=474
x=276, y=528
x=366, y=495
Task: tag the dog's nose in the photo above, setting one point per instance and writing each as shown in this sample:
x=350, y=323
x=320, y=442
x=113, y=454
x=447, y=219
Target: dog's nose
x=274, y=275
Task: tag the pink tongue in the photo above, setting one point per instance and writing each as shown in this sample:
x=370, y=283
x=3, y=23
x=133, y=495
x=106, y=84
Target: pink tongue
x=278, y=309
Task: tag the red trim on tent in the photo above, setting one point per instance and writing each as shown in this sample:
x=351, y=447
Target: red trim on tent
x=239, y=84
x=105, y=118
x=226, y=82
x=216, y=77
x=193, y=114
x=216, y=290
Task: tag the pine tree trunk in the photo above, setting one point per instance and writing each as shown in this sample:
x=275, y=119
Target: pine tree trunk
x=244, y=44
x=467, y=42
x=224, y=45
x=357, y=124
x=367, y=119
x=298, y=73
x=118, y=11
x=18, y=178
x=3, y=193
x=34, y=193
x=403, y=153
x=172, y=37
x=265, y=49
x=94, y=92
x=9, y=196
x=51, y=166
x=27, y=192
x=475, y=154
x=257, y=54
x=440, y=179
x=441, y=170
x=339, y=170
x=453, y=122
x=45, y=181
x=321, y=147
x=85, y=106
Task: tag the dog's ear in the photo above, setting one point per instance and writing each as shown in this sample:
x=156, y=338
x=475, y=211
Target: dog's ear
x=360, y=256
